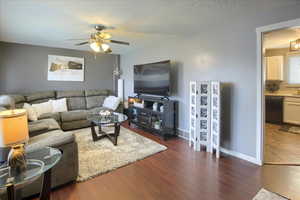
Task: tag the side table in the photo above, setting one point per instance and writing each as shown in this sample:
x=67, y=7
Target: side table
x=39, y=163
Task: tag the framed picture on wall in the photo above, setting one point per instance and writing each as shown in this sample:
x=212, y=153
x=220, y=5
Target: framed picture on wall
x=63, y=68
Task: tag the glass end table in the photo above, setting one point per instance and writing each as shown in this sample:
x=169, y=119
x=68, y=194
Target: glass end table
x=98, y=120
x=39, y=162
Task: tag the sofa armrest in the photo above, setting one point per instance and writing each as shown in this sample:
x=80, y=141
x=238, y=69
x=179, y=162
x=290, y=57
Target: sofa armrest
x=2, y=108
x=120, y=108
x=7, y=102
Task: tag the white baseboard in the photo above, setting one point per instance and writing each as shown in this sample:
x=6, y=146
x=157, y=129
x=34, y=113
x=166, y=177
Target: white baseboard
x=183, y=131
x=229, y=152
x=240, y=156
x=181, y=136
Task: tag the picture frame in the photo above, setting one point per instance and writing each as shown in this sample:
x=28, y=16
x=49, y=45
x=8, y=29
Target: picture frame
x=64, y=68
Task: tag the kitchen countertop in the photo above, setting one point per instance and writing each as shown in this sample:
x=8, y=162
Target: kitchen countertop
x=282, y=94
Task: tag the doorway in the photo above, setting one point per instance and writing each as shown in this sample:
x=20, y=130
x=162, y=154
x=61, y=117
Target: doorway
x=278, y=138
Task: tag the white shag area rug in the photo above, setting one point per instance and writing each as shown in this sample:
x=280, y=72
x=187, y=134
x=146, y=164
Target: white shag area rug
x=264, y=194
x=102, y=156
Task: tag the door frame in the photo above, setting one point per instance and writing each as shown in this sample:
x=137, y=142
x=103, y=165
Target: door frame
x=260, y=108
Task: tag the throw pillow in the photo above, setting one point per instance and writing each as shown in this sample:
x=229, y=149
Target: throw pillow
x=31, y=112
x=111, y=102
x=43, y=108
x=59, y=105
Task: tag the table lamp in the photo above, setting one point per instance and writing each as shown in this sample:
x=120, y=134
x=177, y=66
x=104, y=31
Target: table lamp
x=13, y=135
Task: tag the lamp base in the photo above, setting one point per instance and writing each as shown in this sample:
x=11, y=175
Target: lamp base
x=16, y=158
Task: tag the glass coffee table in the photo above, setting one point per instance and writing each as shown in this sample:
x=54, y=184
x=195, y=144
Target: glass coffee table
x=98, y=120
x=39, y=162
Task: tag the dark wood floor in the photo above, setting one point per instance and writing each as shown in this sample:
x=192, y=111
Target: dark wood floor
x=181, y=173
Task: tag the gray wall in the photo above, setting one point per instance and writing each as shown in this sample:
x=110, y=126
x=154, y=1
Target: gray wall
x=224, y=52
x=23, y=68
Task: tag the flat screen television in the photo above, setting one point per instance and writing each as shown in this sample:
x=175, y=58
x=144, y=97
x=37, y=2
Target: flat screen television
x=153, y=78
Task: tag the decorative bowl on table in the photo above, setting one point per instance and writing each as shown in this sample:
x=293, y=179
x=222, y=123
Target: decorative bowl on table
x=105, y=113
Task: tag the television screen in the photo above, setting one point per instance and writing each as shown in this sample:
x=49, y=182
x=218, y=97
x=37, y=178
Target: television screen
x=152, y=78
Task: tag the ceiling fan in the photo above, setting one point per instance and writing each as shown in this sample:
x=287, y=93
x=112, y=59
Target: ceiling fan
x=99, y=40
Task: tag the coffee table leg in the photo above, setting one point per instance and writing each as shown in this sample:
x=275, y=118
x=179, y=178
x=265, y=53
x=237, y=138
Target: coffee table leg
x=113, y=137
x=10, y=192
x=117, y=132
x=94, y=134
x=46, y=187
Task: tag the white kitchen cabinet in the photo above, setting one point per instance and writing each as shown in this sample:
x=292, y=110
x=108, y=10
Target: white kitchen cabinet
x=291, y=110
x=274, y=67
x=293, y=69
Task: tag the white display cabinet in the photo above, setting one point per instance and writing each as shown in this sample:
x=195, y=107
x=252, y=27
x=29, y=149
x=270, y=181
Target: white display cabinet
x=215, y=117
x=205, y=115
x=193, y=117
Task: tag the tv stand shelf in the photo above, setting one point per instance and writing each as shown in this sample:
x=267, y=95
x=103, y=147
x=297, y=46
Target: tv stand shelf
x=161, y=122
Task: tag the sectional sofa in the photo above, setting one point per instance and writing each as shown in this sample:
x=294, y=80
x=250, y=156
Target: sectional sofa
x=54, y=129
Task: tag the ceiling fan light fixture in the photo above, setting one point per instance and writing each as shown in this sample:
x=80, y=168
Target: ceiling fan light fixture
x=108, y=50
x=95, y=46
x=105, y=47
x=105, y=35
x=100, y=47
x=99, y=39
x=295, y=45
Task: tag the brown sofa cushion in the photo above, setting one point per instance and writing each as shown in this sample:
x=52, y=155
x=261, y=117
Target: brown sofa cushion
x=96, y=92
x=69, y=93
x=74, y=115
x=40, y=97
x=76, y=103
x=95, y=98
x=55, y=116
x=18, y=98
x=94, y=101
x=67, y=126
x=37, y=127
x=75, y=99
x=42, y=126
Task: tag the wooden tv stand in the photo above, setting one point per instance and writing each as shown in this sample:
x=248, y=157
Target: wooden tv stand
x=145, y=117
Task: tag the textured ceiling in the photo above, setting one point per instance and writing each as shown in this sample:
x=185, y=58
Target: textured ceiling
x=140, y=22
x=281, y=38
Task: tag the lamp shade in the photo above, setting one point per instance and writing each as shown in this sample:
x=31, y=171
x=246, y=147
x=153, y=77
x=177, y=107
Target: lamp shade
x=13, y=127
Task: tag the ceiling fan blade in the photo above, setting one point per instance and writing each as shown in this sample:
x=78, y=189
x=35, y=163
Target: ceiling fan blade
x=74, y=39
x=109, y=28
x=118, y=42
x=82, y=43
